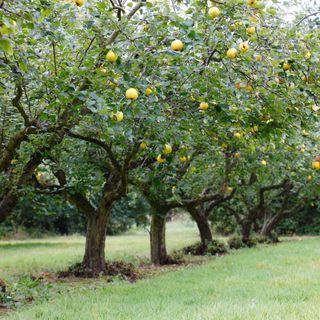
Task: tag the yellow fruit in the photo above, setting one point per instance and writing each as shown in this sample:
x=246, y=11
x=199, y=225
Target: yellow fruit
x=255, y=129
x=229, y=189
x=249, y=87
x=167, y=149
x=291, y=85
x=111, y=56
x=160, y=159
x=192, y=98
x=132, y=94
x=310, y=178
x=302, y=150
x=251, y=30
x=238, y=85
x=258, y=57
x=146, y=27
x=203, y=106
x=117, y=117
x=316, y=165
x=244, y=47
x=214, y=12
x=79, y=3
x=148, y=91
x=237, y=135
x=286, y=66
x=237, y=155
x=232, y=53
x=143, y=145
x=305, y=133
x=263, y=162
x=183, y=158
x=177, y=45
x=251, y=2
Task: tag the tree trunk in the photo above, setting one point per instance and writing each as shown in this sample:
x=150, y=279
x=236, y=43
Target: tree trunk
x=269, y=225
x=158, y=239
x=245, y=231
x=7, y=204
x=202, y=224
x=94, y=257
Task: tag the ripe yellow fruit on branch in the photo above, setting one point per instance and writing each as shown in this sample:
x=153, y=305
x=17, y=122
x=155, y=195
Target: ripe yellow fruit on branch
x=143, y=145
x=160, y=159
x=148, y=91
x=176, y=45
x=316, y=165
x=258, y=57
x=244, y=47
x=183, y=158
x=286, y=66
x=251, y=2
x=214, y=12
x=117, y=117
x=232, y=53
x=132, y=94
x=310, y=178
x=203, y=106
x=79, y=3
x=237, y=155
x=111, y=56
x=251, y=30
x=237, y=135
x=263, y=162
x=167, y=149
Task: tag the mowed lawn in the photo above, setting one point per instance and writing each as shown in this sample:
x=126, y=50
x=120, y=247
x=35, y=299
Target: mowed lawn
x=57, y=253
x=273, y=282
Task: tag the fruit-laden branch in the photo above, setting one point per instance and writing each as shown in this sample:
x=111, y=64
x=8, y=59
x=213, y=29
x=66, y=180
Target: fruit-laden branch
x=10, y=197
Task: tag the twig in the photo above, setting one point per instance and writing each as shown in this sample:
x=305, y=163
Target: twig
x=308, y=16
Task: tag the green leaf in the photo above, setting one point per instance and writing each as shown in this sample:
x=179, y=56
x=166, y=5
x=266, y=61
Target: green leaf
x=5, y=45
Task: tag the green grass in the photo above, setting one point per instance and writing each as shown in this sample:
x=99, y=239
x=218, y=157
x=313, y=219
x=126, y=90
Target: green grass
x=274, y=282
x=57, y=253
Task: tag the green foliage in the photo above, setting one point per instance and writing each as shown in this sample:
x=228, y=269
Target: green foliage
x=215, y=247
x=235, y=242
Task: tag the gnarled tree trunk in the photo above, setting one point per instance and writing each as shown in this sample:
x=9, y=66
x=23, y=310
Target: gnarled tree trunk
x=94, y=257
x=159, y=254
x=202, y=224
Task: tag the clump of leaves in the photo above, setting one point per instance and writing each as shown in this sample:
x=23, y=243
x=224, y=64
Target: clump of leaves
x=235, y=242
x=119, y=269
x=214, y=247
x=176, y=257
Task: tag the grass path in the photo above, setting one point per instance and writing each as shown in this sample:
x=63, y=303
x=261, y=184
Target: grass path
x=276, y=282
